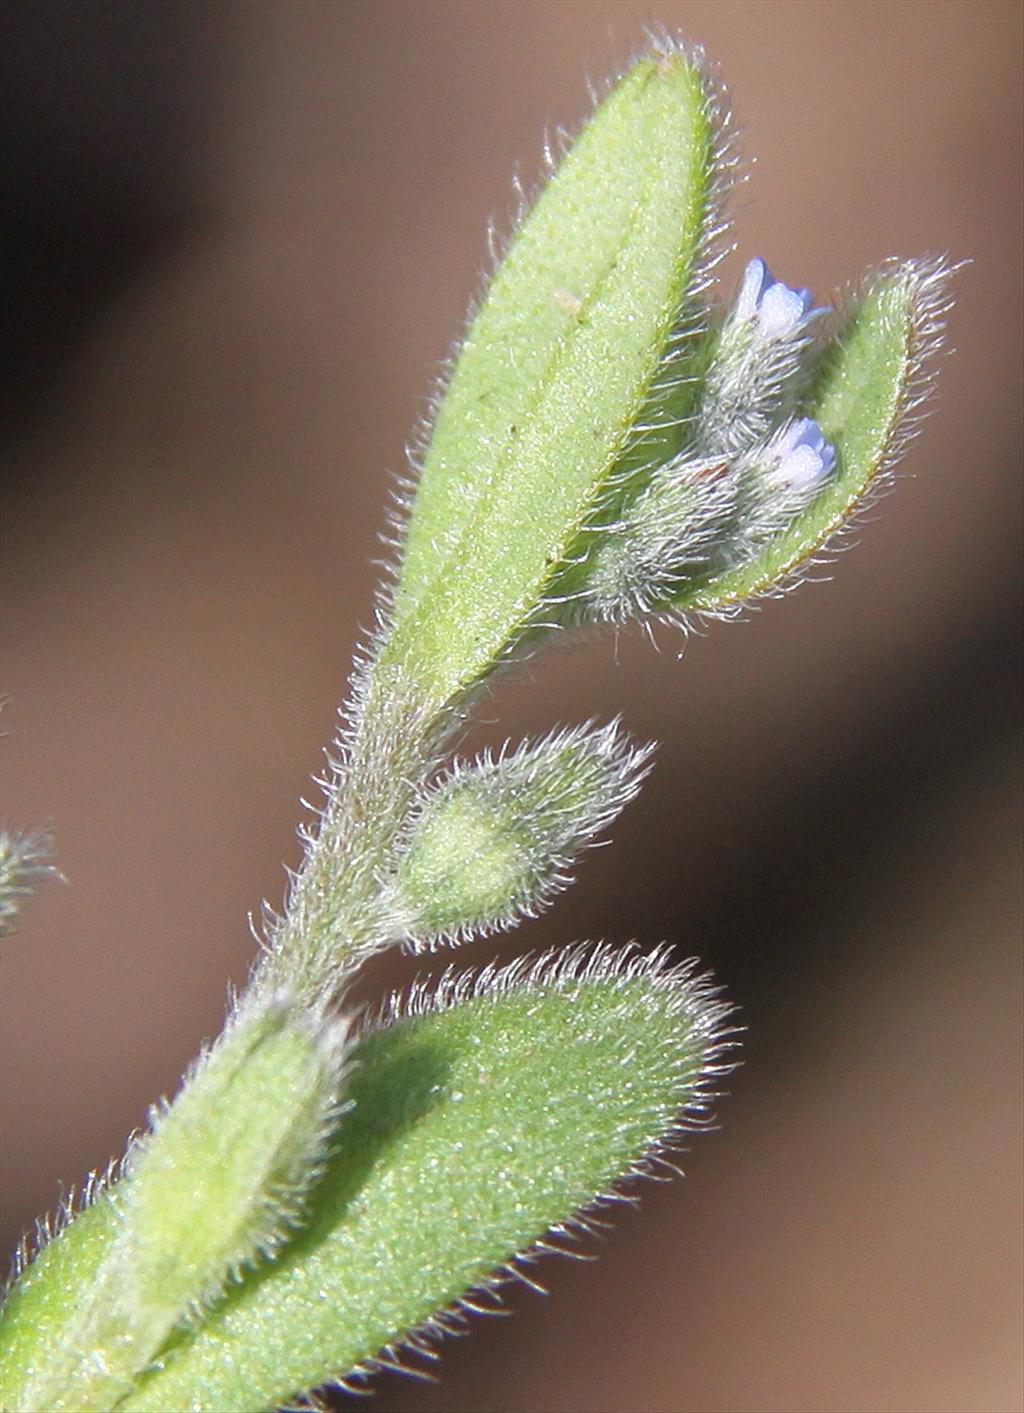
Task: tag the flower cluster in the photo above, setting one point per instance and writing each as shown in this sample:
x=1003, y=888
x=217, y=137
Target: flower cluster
x=749, y=467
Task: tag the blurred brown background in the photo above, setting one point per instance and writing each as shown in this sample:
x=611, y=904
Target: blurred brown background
x=239, y=239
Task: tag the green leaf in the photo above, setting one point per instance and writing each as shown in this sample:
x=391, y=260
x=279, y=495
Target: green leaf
x=217, y=1185
x=871, y=382
x=35, y=1315
x=467, y=1144
x=558, y=363
x=254, y=1118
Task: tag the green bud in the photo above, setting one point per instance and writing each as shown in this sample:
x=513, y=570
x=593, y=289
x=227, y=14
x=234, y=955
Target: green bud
x=494, y=840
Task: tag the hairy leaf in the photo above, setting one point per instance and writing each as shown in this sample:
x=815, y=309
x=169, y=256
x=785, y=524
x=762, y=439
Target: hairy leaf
x=215, y=1186
x=557, y=364
x=467, y=1143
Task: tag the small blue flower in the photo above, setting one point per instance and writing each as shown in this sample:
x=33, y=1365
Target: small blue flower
x=777, y=311
x=802, y=456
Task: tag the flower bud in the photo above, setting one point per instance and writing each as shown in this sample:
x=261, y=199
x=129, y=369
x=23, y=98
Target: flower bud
x=803, y=458
x=756, y=364
x=495, y=838
x=774, y=310
x=703, y=517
